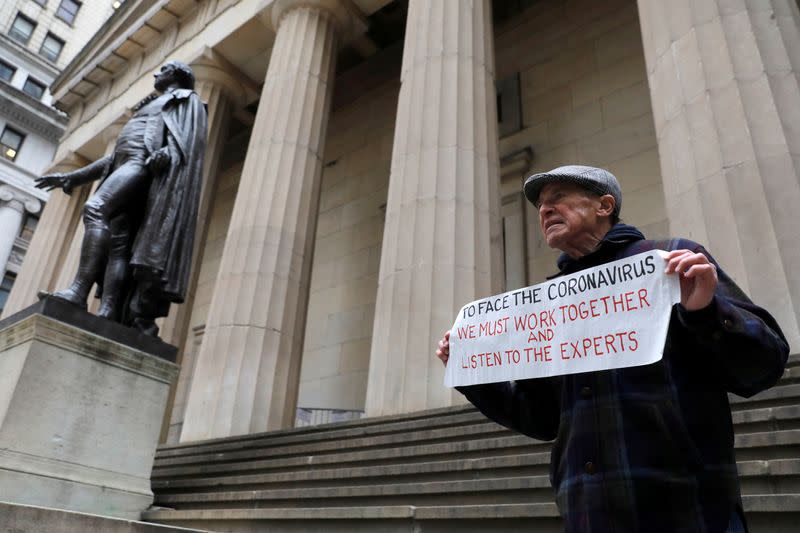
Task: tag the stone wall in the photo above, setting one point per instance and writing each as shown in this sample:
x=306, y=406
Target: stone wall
x=583, y=87
x=344, y=278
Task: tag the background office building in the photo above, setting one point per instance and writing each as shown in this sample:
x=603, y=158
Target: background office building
x=38, y=38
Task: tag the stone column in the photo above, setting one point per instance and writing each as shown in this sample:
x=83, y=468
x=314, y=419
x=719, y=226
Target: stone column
x=223, y=88
x=13, y=205
x=70, y=265
x=50, y=242
x=441, y=243
x=247, y=372
x=726, y=104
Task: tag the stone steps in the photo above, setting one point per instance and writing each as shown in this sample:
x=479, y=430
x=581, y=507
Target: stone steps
x=509, y=444
x=771, y=513
x=433, y=419
x=529, y=464
x=766, y=419
x=420, y=444
x=430, y=428
x=758, y=478
x=767, y=477
x=439, y=470
x=780, y=395
x=749, y=446
x=378, y=442
x=781, y=442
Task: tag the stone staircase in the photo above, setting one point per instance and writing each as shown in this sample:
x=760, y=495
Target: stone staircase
x=440, y=470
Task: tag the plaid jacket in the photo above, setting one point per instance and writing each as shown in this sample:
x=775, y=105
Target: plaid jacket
x=649, y=448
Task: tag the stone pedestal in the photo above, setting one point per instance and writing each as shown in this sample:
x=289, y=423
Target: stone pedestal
x=30, y=519
x=81, y=404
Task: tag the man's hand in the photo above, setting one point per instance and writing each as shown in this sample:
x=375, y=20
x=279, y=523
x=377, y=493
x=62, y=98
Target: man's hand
x=158, y=160
x=55, y=180
x=443, y=351
x=698, y=277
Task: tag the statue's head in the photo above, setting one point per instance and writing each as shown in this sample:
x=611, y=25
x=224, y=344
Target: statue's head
x=174, y=72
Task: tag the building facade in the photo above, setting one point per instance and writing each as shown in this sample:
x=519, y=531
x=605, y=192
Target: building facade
x=364, y=167
x=38, y=38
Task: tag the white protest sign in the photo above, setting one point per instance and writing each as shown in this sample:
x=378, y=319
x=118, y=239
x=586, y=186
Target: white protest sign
x=612, y=316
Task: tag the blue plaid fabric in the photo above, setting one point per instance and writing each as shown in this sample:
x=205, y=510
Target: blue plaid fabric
x=650, y=448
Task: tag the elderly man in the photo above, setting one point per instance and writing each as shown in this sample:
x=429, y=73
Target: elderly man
x=140, y=222
x=649, y=448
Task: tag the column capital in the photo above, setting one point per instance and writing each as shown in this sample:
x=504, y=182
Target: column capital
x=11, y=196
x=348, y=18
x=211, y=67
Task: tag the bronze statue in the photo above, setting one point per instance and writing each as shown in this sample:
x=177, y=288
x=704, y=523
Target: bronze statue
x=140, y=222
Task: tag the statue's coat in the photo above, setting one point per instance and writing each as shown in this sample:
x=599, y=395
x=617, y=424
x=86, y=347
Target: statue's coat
x=162, y=249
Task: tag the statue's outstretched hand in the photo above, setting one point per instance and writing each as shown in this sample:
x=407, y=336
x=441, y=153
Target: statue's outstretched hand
x=55, y=180
x=158, y=160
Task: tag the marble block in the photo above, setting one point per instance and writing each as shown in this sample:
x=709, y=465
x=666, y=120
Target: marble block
x=81, y=405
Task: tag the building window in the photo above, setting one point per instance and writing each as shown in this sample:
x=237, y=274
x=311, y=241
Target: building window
x=33, y=88
x=68, y=10
x=5, y=288
x=6, y=71
x=10, y=143
x=509, y=112
x=51, y=47
x=41, y=2
x=22, y=28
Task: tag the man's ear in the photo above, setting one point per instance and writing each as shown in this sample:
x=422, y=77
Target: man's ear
x=607, y=205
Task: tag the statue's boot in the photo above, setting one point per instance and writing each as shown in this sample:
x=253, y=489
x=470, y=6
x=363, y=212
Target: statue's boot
x=113, y=283
x=116, y=276
x=147, y=326
x=93, y=252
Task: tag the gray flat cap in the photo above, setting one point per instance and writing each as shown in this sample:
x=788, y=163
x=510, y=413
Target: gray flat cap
x=596, y=180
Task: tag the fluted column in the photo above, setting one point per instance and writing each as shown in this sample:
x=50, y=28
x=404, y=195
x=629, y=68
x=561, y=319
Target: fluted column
x=222, y=88
x=441, y=243
x=69, y=267
x=50, y=241
x=247, y=371
x=13, y=205
x=726, y=103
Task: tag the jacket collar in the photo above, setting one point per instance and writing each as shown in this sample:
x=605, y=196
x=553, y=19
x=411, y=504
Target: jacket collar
x=620, y=234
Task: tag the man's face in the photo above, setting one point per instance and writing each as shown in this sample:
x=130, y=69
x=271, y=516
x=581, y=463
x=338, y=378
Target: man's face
x=164, y=77
x=567, y=214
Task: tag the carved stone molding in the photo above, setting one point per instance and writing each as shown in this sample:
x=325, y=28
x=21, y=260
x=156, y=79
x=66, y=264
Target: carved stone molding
x=349, y=21
x=10, y=196
x=210, y=66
